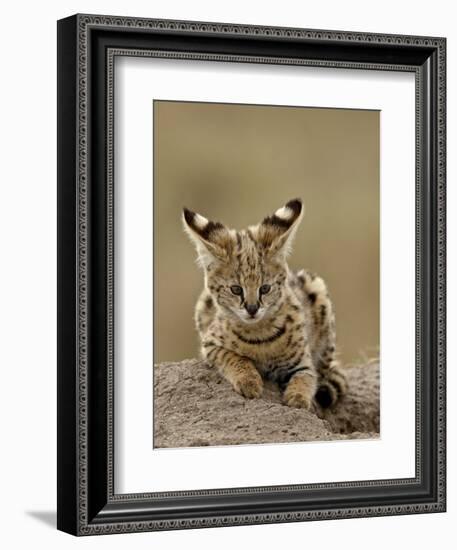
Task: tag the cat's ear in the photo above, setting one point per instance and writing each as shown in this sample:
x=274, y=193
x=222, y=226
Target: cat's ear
x=212, y=239
x=276, y=232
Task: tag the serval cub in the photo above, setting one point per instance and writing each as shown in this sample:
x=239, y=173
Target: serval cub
x=258, y=319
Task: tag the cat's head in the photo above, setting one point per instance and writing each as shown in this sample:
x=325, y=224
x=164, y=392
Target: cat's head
x=246, y=271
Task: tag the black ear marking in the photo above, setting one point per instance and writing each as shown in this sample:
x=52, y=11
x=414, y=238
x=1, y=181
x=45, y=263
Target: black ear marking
x=295, y=205
x=188, y=215
x=277, y=222
x=203, y=227
x=209, y=228
x=286, y=216
x=276, y=232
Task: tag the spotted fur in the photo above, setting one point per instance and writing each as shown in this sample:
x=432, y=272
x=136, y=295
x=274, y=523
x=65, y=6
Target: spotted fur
x=257, y=319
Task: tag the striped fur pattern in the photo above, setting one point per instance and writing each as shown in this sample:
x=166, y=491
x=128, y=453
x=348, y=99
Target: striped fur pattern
x=259, y=320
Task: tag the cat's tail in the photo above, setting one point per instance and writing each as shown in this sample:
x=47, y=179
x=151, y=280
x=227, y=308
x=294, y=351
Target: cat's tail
x=316, y=293
x=332, y=384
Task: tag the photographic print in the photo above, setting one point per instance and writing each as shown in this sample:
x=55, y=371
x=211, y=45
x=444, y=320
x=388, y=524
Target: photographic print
x=251, y=236
x=266, y=274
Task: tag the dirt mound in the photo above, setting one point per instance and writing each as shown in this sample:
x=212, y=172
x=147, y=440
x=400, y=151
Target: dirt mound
x=194, y=406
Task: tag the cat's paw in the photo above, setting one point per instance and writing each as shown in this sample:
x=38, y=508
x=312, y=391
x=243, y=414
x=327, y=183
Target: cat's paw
x=249, y=385
x=300, y=391
x=298, y=399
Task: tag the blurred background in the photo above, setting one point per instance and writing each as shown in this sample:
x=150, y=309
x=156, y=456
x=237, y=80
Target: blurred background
x=238, y=163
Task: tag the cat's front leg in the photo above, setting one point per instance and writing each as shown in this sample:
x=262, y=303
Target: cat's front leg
x=301, y=388
x=239, y=371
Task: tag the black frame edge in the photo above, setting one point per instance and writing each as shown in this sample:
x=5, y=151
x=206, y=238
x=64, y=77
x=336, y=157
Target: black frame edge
x=67, y=466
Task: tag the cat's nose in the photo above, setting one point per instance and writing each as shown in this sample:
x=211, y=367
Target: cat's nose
x=252, y=309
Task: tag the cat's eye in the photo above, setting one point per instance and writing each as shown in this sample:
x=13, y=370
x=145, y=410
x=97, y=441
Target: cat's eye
x=237, y=290
x=265, y=289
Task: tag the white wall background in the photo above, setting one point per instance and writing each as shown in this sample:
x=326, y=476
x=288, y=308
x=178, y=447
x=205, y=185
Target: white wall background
x=28, y=269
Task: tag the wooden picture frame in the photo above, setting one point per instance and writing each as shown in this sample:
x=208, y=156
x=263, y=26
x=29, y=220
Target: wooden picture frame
x=87, y=502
